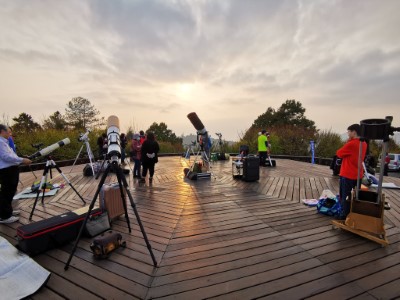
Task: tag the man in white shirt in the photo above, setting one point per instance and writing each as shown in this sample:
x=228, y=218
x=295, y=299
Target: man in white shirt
x=9, y=177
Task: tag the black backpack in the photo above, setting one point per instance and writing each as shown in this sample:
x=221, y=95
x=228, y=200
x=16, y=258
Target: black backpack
x=87, y=170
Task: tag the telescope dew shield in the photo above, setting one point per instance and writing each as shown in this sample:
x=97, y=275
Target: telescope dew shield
x=49, y=149
x=196, y=122
x=114, y=148
x=375, y=129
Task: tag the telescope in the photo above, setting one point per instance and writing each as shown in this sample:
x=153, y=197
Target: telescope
x=201, y=131
x=83, y=137
x=196, y=122
x=49, y=149
x=378, y=129
x=114, y=148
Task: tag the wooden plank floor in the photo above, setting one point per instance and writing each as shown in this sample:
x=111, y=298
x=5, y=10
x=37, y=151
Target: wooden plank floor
x=222, y=238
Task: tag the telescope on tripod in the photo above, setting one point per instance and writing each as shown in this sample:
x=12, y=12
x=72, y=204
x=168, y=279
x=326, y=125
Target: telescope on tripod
x=84, y=137
x=367, y=207
x=113, y=156
x=196, y=170
x=49, y=165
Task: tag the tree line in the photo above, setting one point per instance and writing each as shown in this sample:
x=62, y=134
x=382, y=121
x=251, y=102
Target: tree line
x=290, y=131
x=80, y=114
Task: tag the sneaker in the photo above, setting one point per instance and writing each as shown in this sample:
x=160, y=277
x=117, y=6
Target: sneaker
x=142, y=180
x=16, y=212
x=11, y=219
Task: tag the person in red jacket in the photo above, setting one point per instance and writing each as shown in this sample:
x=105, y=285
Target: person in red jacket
x=348, y=172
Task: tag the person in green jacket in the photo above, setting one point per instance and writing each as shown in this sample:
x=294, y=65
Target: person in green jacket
x=262, y=147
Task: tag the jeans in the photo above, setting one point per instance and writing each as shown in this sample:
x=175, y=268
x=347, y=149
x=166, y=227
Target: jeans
x=123, y=155
x=136, y=167
x=346, y=185
x=9, y=182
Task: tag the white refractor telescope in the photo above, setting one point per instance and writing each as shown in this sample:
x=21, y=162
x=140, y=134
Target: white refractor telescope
x=49, y=149
x=114, y=144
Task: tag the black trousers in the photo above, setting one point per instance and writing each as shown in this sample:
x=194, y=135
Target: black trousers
x=148, y=166
x=263, y=157
x=9, y=182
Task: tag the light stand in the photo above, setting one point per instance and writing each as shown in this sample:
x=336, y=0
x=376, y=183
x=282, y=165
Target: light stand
x=122, y=184
x=49, y=165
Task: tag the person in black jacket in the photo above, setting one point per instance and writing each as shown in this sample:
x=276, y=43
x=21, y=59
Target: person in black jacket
x=150, y=150
x=124, y=142
x=102, y=145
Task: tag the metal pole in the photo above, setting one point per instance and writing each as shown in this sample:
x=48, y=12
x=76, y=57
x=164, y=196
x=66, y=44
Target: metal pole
x=89, y=152
x=383, y=156
x=79, y=153
x=359, y=168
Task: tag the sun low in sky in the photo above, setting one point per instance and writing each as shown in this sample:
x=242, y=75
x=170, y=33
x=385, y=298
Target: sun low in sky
x=228, y=61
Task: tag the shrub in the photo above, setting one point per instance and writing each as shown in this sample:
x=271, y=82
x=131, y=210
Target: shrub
x=25, y=140
x=327, y=143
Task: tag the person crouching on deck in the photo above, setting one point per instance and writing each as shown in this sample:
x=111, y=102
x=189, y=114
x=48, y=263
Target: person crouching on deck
x=348, y=172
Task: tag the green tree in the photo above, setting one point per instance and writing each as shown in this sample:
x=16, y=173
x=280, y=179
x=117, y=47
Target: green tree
x=55, y=121
x=393, y=147
x=164, y=134
x=327, y=143
x=291, y=112
x=81, y=114
x=25, y=123
x=290, y=130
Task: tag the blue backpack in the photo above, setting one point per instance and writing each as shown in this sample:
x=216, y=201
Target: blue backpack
x=329, y=206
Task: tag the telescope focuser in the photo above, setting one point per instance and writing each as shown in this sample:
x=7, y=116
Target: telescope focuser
x=37, y=146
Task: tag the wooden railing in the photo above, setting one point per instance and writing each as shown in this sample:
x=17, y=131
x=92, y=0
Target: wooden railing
x=69, y=162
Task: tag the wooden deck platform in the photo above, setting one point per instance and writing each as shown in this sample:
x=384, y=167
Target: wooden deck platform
x=222, y=238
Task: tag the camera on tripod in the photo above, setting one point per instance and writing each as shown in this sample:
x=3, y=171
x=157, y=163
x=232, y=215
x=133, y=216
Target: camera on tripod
x=84, y=137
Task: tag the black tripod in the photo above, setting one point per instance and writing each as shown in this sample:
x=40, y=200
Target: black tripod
x=102, y=166
x=49, y=165
x=122, y=184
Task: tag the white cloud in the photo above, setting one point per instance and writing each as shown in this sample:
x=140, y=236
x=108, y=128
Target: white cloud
x=341, y=59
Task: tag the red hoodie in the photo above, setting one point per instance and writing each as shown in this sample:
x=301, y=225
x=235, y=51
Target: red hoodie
x=349, y=155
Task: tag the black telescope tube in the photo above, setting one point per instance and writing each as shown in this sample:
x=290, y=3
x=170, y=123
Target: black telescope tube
x=196, y=122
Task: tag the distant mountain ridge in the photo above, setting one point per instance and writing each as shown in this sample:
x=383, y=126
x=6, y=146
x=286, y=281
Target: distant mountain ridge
x=188, y=139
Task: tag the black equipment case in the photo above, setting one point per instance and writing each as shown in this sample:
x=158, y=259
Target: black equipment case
x=38, y=237
x=251, y=168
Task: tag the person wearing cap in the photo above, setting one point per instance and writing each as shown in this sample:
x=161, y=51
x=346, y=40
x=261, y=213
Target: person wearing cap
x=348, y=172
x=262, y=147
x=9, y=176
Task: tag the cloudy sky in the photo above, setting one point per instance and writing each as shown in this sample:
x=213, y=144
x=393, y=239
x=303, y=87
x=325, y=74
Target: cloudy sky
x=228, y=61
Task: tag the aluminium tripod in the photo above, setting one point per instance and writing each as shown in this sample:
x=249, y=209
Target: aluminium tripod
x=122, y=185
x=189, y=152
x=43, y=182
x=89, y=153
